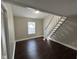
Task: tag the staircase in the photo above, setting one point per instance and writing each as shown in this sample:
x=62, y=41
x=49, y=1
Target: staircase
x=63, y=30
x=53, y=24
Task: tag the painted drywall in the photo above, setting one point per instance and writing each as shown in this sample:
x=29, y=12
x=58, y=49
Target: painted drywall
x=9, y=29
x=58, y=7
x=67, y=33
x=21, y=29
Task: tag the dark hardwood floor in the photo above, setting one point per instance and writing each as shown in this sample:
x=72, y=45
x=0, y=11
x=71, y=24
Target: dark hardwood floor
x=39, y=49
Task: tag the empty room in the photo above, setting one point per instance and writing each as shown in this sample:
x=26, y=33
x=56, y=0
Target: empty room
x=33, y=29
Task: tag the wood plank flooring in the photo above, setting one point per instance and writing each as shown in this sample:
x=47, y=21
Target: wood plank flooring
x=37, y=48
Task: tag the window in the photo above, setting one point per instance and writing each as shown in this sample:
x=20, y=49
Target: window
x=31, y=27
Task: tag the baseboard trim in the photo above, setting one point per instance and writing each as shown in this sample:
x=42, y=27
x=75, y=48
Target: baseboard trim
x=29, y=38
x=64, y=44
x=14, y=51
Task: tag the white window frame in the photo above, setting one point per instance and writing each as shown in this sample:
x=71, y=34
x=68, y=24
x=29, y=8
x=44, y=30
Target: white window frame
x=31, y=27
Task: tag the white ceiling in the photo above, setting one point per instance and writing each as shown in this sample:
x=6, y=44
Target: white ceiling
x=27, y=12
x=59, y=7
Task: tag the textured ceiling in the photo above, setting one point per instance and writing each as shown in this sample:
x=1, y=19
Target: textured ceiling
x=27, y=12
x=58, y=7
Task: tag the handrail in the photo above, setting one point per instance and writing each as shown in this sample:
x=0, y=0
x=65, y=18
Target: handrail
x=54, y=26
x=51, y=32
x=48, y=23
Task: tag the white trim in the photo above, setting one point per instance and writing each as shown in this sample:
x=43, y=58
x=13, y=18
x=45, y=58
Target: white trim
x=28, y=38
x=14, y=50
x=63, y=44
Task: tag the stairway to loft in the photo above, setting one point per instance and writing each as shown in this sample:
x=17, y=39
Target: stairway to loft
x=53, y=25
x=66, y=34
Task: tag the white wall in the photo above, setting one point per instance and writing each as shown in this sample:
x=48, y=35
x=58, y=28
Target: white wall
x=10, y=29
x=21, y=29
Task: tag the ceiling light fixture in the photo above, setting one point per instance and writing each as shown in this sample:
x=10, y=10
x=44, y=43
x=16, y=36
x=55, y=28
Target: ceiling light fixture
x=37, y=12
